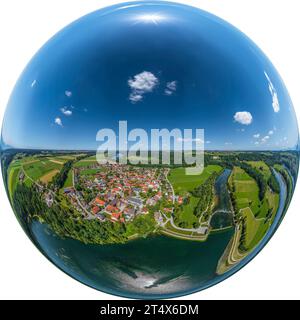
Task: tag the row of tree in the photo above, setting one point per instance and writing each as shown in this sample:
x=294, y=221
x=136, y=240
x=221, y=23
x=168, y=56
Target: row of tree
x=60, y=178
x=206, y=194
x=273, y=183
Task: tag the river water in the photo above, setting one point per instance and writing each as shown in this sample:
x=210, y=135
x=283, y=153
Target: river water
x=155, y=267
x=222, y=216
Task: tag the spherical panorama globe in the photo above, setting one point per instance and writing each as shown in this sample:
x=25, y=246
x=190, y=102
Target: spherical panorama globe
x=149, y=150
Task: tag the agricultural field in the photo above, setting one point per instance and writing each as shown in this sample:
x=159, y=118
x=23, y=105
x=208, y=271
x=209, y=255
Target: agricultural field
x=13, y=174
x=246, y=190
x=250, y=207
x=85, y=163
x=34, y=169
x=90, y=172
x=46, y=178
x=253, y=225
x=183, y=183
x=42, y=170
x=262, y=167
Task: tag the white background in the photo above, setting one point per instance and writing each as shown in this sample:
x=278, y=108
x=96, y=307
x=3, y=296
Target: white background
x=26, y=25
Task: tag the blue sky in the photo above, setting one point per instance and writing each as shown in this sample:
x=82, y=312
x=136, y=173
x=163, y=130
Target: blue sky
x=156, y=66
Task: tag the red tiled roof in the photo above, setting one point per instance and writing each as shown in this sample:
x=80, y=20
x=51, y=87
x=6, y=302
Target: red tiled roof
x=111, y=208
x=116, y=215
x=95, y=210
x=100, y=202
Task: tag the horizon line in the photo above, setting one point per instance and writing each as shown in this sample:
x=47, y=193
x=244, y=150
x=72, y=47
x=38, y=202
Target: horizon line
x=205, y=150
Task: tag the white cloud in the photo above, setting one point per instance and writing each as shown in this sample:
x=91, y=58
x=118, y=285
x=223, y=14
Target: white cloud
x=265, y=139
x=243, y=117
x=171, y=88
x=142, y=83
x=256, y=142
x=256, y=136
x=189, y=140
x=275, y=101
x=135, y=97
x=208, y=142
x=271, y=132
x=68, y=93
x=228, y=143
x=58, y=122
x=66, y=112
x=34, y=82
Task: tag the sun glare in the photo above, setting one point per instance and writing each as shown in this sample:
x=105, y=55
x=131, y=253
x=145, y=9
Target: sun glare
x=151, y=17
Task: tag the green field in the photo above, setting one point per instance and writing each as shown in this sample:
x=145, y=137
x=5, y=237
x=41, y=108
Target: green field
x=90, y=172
x=59, y=160
x=246, y=190
x=262, y=167
x=13, y=174
x=66, y=158
x=249, y=205
x=84, y=163
x=69, y=182
x=38, y=169
x=34, y=168
x=91, y=158
x=252, y=225
x=186, y=215
x=183, y=183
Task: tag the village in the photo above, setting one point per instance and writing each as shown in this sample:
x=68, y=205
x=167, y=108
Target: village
x=119, y=193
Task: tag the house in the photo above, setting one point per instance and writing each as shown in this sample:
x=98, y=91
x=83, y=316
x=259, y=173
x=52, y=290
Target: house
x=49, y=200
x=116, y=216
x=95, y=210
x=99, y=202
x=111, y=209
x=180, y=200
x=135, y=201
x=101, y=217
x=68, y=190
x=151, y=202
x=145, y=210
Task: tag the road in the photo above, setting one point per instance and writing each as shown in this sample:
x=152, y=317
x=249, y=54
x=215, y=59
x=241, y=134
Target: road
x=199, y=230
x=88, y=215
x=170, y=184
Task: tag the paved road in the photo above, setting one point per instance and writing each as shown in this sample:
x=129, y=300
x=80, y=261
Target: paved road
x=198, y=230
x=173, y=192
x=88, y=214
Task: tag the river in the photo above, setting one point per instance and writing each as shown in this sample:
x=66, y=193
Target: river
x=158, y=266
x=222, y=216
